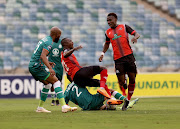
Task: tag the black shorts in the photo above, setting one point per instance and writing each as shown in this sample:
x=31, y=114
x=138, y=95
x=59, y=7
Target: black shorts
x=125, y=64
x=84, y=77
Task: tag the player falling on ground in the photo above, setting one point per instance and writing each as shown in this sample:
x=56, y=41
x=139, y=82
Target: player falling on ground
x=83, y=76
x=37, y=69
x=124, y=59
x=55, y=56
x=87, y=101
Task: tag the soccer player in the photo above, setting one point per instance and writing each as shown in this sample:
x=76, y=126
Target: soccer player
x=85, y=100
x=55, y=56
x=38, y=71
x=124, y=59
x=82, y=76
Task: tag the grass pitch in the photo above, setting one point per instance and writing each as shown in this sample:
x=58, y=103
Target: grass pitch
x=148, y=113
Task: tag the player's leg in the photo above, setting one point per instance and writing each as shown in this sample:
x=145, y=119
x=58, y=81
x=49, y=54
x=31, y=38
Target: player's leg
x=131, y=71
x=59, y=93
x=119, y=96
x=59, y=75
x=120, y=73
x=44, y=94
x=39, y=73
x=52, y=96
x=121, y=81
x=131, y=86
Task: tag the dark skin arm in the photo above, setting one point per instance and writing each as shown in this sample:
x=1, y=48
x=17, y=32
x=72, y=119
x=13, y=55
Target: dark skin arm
x=134, y=39
x=68, y=53
x=105, y=48
x=46, y=62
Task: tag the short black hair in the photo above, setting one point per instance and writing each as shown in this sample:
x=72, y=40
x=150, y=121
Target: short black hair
x=63, y=41
x=112, y=14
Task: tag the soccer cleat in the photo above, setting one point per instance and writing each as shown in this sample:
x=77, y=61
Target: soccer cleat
x=57, y=103
x=53, y=103
x=68, y=109
x=41, y=109
x=132, y=103
x=126, y=103
x=104, y=93
x=114, y=102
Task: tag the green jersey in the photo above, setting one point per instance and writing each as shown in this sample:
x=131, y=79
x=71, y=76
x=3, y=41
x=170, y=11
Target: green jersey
x=55, y=55
x=82, y=97
x=45, y=43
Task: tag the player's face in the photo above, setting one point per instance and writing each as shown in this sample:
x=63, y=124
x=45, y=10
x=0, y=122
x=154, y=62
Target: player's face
x=57, y=38
x=111, y=20
x=70, y=42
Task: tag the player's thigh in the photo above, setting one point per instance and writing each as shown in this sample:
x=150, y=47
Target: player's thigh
x=52, y=79
x=120, y=68
x=39, y=73
x=83, y=82
x=121, y=79
x=88, y=71
x=97, y=102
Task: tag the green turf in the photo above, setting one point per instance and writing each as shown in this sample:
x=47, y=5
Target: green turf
x=148, y=113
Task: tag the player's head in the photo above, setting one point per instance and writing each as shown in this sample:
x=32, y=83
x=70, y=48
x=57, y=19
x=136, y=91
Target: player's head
x=112, y=19
x=55, y=33
x=67, y=43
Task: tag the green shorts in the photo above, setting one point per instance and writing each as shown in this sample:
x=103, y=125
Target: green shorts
x=97, y=102
x=39, y=72
x=59, y=73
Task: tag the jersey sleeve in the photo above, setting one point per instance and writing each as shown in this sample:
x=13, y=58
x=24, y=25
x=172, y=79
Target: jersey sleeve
x=47, y=46
x=129, y=30
x=107, y=39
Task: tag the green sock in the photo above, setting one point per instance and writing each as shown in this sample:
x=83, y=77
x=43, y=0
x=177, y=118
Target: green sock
x=44, y=94
x=62, y=101
x=119, y=96
x=41, y=103
x=60, y=95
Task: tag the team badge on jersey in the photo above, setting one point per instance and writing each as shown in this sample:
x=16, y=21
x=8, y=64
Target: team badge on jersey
x=55, y=52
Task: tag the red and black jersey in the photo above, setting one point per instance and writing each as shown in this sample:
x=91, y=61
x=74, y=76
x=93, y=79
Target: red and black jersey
x=70, y=64
x=119, y=39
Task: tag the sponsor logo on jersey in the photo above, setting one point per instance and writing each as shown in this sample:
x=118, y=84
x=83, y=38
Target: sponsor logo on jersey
x=116, y=36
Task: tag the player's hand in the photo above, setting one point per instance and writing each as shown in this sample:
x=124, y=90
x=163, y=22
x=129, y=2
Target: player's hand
x=77, y=48
x=52, y=64
x=101, y=58
x=52, y=72
x=134, y=40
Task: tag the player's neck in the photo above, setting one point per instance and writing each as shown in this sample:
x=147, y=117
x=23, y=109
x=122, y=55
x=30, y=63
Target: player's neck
x=114, y=26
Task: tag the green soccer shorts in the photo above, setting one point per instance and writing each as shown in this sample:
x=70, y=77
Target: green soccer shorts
x=39, y=72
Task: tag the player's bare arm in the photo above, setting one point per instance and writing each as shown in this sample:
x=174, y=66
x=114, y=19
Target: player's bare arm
x=46, y=62
x=69, y=52
x=105, y=48
x=52, y=64
x=134, y=39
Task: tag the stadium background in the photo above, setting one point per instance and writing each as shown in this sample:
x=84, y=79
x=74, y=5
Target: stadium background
x=24, y=22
